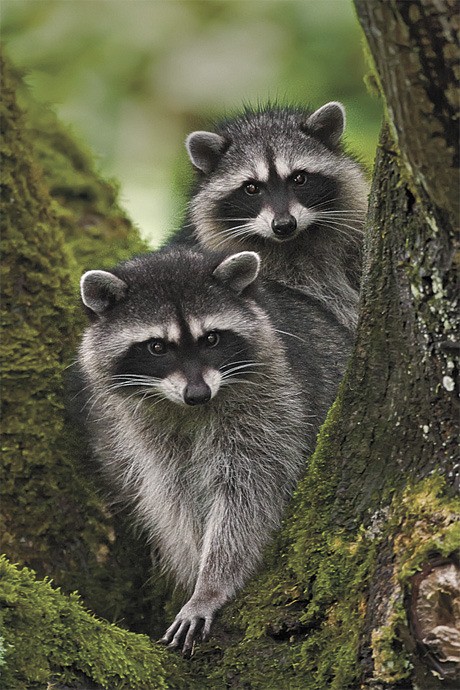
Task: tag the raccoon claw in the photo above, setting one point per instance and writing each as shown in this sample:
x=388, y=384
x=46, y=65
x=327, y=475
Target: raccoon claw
x=185, y=633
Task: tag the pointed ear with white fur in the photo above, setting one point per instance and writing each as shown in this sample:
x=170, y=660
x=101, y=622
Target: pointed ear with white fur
x=204, y=150
x=238, y=271
x=327, y=123
x=101, y=290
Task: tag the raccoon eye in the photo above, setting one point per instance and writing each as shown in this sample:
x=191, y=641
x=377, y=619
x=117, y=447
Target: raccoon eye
x=251, y=188
x=156, y=347
x=212, y=338
x=299, y=178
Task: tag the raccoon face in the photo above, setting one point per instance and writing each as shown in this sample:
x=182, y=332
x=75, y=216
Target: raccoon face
x=272, y=175
x=277, y=204
x=190, y=370
x=164, y=342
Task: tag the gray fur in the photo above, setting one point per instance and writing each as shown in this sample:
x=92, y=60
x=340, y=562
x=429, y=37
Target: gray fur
x=323, y=258
x=209, y=482
x=328, y=123
x=238, y=271
x=99, y=289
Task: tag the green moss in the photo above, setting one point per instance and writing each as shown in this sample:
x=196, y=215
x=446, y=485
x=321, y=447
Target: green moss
x=424, y=523
x=39, y=334
x=428, y=524
x=258, y=664
x=372, y=77
x=52, y=516
x=333, y=567
x=51, y=638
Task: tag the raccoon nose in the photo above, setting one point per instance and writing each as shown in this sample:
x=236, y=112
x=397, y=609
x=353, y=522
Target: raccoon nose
x=284, y=226
x=197, y=393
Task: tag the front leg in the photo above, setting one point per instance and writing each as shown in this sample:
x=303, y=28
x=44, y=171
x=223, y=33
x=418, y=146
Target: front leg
x=238, y=527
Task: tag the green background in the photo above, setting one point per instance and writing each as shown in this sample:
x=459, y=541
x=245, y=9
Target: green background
x=133, y=77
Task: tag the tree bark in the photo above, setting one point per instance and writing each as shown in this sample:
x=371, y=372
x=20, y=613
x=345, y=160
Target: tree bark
x=414, y=44
x=415, y=204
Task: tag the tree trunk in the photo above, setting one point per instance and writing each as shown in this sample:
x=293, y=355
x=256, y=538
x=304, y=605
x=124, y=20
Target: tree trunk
x=59, y=218
x=416, y=204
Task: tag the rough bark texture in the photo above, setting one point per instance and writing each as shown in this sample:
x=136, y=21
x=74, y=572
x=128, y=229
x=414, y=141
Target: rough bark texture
x=416, y=201
x=415, y=48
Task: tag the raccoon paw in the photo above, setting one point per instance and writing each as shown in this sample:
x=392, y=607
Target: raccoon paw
x=193, y=620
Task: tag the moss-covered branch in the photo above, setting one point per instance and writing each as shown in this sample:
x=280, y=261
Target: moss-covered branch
x=51, y=640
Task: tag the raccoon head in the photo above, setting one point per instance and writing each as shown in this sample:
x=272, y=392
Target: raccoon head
x=206, y=148
x=172, y=325
x=270, y=175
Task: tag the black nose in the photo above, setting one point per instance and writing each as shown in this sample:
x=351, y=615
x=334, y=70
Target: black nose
x=197, y=394
x=284, y=226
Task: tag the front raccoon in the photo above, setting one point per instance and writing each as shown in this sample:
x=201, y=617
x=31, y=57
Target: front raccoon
x=202, y=403
x=277, y=181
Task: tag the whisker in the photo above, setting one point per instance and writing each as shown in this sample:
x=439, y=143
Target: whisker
x=127, y=384
x=147, y=396
x=277, y=330
x=239, y=367
x=230, y=380
x=338, y=227
x=340, y=212
x=72, y=363
x=232, y=220
x=96, y=397
x=341, y=220
x=134, y=380
x=327, y=201
x=237, y=236
x=129, y=377
x=348, y=219
x=239, y=229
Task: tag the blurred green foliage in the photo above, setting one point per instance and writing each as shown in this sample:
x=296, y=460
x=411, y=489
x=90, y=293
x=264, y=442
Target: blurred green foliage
x=134, y=76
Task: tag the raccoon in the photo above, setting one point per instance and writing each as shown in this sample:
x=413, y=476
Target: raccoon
x=205, y=392
x=277, y=181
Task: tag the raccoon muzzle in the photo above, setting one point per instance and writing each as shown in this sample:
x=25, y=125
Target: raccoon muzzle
x=197, y=393
x=284, y=225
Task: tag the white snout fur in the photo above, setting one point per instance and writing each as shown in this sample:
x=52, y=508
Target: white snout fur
x=173, y=386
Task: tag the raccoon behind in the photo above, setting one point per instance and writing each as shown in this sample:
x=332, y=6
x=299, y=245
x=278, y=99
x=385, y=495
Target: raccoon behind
x=205, y=390
x=277, y=181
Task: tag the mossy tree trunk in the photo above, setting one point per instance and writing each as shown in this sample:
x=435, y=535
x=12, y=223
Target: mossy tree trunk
x=58, y=218
x=411, y=280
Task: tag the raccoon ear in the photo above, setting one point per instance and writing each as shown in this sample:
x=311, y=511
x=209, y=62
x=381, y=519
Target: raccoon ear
x=100, y=290
x=238, y=271
x=327, y=123
x=204, y=150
